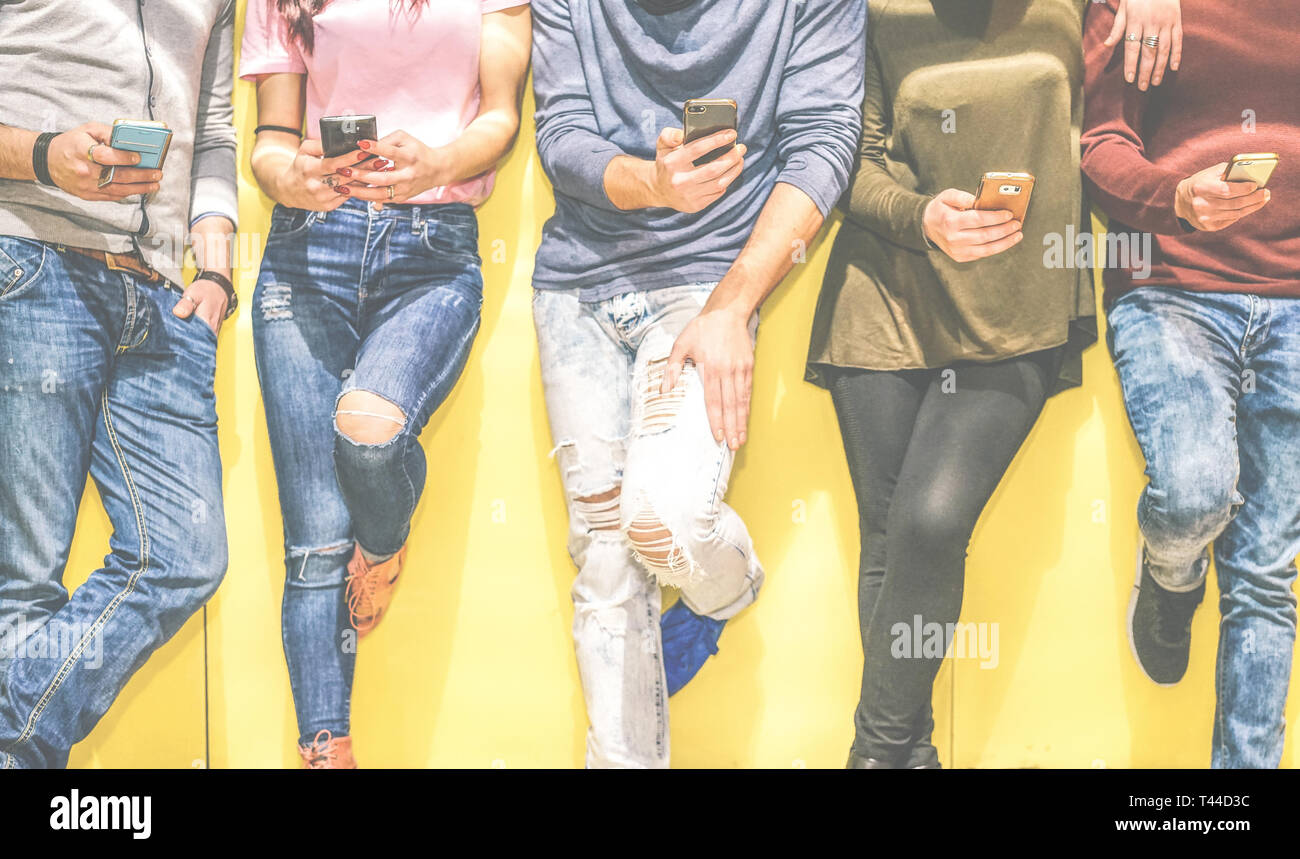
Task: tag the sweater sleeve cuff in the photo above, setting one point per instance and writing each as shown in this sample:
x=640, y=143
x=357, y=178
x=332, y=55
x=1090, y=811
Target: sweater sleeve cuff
x=583, y=174
x=214, y=196
x=817, y=177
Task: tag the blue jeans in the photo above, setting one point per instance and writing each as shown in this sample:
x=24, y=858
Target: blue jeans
x=385, y=302
x=1212, y=386
x=653, y=460
x=96, y=376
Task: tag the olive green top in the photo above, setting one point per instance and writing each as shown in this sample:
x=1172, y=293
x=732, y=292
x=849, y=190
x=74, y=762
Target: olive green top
x=955, y=89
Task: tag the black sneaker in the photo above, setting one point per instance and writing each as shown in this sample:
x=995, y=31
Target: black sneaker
x=1160, y=624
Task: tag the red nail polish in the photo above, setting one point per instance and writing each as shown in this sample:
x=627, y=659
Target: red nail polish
x=343, y=171
x=362, y=157
x=365, y=144
x=343, y=191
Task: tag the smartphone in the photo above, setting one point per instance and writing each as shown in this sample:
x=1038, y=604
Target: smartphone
x=1251, y=167
x=150, y=139
x=1010, y=191
x=704, y=116
x=340, y=135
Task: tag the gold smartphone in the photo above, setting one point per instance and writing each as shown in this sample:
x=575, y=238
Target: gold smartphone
x=702, y=117
x=1010, y=191
x=1251, y=167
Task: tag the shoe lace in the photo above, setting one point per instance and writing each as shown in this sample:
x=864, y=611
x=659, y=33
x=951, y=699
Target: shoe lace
x=361, y=596
x=322, y=753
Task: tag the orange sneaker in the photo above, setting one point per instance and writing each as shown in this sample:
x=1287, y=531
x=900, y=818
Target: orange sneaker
x=370, y=589
x=328, y=752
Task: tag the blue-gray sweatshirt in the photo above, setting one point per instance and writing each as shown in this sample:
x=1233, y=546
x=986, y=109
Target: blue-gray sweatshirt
x=609, y=76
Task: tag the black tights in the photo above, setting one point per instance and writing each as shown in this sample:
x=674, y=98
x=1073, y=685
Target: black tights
x=926, y=449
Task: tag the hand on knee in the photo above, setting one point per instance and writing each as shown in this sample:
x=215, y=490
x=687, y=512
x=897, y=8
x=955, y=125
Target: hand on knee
x=368, y=419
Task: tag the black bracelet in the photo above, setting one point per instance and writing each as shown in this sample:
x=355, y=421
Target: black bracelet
x=232, y=300
x=41, y=158
x=286, y=129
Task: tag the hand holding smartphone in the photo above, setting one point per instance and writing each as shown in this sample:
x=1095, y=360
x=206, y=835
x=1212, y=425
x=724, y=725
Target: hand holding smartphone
x=1009, y=191
x=702, y=117
x=150, y=139
x=1254, y=167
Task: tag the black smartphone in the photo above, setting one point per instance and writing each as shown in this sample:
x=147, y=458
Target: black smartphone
x=340, y=135
x=704, y=116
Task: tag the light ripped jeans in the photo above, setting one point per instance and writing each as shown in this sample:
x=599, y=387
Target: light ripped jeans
x=644, y=479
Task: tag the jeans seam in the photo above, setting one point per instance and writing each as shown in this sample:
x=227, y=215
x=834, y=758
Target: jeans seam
x=113, y=604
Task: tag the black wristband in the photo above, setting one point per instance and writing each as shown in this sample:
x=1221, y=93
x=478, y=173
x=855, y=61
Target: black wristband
x=41, y=158
x=232, y=300
x=286, y=129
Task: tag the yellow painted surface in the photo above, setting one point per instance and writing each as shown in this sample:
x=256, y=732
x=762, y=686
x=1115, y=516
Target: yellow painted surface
x=474, y=665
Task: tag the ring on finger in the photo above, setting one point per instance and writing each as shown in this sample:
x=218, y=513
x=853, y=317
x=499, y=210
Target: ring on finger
x=1132, y=37
x=1151, y=41
x=391, y=192
x=90, y=153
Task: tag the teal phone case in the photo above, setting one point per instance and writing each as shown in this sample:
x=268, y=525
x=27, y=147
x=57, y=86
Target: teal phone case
x=150, y=142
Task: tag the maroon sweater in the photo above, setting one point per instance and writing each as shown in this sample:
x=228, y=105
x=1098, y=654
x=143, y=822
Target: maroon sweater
x=1238, y=90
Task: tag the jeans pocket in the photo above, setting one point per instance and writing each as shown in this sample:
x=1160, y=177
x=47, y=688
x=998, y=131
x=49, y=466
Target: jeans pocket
x=287, y=222
x=21, y=261
x=451, y=235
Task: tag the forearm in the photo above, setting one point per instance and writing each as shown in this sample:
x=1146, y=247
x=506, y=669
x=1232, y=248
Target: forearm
x=271, y=160
x=877, y=202
x=629, y=183
x=482, y=144
x=212, y=240
x=16, y=153
x=789, y=221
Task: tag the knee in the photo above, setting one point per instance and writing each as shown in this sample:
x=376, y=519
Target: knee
x=317, y=568
x=366, y=419
x=1195, y=507
x=209, y=570
x=658, y=547
x=935, y=529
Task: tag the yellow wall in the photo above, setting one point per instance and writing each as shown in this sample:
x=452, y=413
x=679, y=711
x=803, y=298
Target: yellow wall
x=474, y=665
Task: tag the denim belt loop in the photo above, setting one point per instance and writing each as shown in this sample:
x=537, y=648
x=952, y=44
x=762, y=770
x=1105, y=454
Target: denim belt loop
x=417, y=223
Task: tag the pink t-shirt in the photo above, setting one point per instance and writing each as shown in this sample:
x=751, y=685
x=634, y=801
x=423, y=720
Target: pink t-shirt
x=415, y=71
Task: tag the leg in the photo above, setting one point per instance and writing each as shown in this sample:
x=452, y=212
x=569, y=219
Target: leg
x=677, y=475
x=1255, y=555
x=305, y=343
x=55, y=350
x=586, y=375
x=1176, y=357
x=421, y=314
x=156, y=464
x=877, y=415
x=963, y=440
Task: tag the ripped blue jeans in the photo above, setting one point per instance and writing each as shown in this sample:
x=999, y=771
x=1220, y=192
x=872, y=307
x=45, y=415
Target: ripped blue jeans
x=644, y=479
x=385, y=302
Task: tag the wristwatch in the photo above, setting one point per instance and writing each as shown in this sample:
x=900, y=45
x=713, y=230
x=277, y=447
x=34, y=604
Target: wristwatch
x=232, y=300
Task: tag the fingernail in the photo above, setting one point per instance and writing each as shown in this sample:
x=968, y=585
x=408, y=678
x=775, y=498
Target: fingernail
x=735, y=443
x=1128, y=78
x=362, y=157
x=365, y=144
x=342, y=190
x=343, y=171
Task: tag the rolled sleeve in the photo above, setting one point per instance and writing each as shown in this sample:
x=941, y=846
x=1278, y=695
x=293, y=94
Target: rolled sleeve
x=213, y=185
x=820, y=114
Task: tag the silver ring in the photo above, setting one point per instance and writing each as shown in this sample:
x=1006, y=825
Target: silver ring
x=1132, y=37
x=192, y=301
x=1151, y=41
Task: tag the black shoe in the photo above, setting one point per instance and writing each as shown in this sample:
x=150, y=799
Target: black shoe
x=858, y=762
x=1160, y=624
